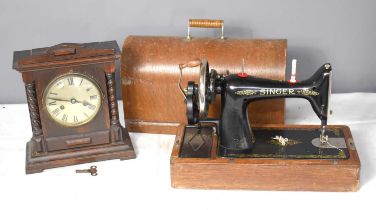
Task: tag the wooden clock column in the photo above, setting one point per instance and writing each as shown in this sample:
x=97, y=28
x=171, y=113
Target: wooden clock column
x=38, y=142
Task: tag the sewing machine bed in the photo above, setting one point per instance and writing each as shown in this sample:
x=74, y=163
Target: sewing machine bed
x=288, y=143
x=302, y=163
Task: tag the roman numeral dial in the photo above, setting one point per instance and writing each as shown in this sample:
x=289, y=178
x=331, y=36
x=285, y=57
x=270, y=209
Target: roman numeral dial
x=72, y=100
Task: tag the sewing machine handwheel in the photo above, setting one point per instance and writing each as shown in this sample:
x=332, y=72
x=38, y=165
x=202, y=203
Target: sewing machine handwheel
x=210, y=95
x=192, y=109
x=199, y=96
x=202, y=89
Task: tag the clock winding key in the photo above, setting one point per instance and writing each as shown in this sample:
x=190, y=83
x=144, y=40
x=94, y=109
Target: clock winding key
x=92, y=170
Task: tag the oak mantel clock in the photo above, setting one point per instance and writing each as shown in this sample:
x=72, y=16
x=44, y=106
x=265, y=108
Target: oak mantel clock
x=70, y=90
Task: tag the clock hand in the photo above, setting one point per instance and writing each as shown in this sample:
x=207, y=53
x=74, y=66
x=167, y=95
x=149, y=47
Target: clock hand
x=84, y=102
x=59, y=99
x=73, y=100
x=81, y=102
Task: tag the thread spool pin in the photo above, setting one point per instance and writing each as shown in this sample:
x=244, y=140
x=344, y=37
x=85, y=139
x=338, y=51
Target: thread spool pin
x=293, y=71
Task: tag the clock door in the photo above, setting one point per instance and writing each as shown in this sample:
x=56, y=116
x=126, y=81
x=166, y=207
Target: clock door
x=72, y=100
x=75, y=108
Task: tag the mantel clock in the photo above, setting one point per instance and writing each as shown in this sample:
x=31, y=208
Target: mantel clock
x=70, y=90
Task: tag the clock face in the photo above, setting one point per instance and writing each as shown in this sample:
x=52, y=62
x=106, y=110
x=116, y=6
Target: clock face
x=72, y=100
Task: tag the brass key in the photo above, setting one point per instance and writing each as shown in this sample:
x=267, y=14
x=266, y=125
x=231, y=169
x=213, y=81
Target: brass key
x=92, y=170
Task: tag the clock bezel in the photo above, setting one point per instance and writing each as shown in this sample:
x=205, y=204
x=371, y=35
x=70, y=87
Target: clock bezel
x=92, y=80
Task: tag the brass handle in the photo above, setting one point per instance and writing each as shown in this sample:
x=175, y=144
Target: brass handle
x=205, y=23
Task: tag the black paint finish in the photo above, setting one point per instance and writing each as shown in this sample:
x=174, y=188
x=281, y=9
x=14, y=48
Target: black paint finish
x=265, y=146
x=237, y=92
x=197, y=142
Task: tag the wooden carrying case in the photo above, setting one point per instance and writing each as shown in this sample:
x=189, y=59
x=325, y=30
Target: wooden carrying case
x=214, y=172
x=152, y=100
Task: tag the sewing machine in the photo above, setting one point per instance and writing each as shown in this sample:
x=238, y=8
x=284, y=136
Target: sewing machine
x=229, y=153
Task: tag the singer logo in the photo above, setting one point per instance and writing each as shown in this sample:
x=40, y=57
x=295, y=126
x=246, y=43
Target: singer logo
x=277, y=91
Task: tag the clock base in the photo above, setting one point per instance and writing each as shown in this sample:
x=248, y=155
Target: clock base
x=122, y=150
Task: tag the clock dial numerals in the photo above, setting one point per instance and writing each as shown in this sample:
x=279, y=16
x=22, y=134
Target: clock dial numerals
x=60, y=84
x=52, y=103
x=75, y=119
x=70, y=80
x=64, y=118
x=56, y=112
x=72, y=100
x=92, y=107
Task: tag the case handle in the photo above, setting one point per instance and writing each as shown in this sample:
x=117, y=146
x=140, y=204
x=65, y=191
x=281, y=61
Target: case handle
x=205, y=23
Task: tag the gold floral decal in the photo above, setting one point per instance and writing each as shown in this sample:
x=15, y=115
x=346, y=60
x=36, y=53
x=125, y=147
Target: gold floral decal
x=308, y=92
x=280, y=140
x=245, y=92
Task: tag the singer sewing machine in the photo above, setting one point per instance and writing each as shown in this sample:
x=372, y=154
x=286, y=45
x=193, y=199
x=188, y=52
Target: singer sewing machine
x=229, y=153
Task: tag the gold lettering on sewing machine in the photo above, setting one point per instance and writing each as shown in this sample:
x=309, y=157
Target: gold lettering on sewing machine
x=277, y=91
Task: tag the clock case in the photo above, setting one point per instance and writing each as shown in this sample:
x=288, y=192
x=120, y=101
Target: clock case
x=54, y=145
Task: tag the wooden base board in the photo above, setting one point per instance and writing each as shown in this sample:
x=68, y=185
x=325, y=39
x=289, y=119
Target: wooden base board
x=266, y=173
x=122, y=150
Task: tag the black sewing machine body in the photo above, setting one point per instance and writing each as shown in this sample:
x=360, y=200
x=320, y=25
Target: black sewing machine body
x=237, y=92
x=236, y=137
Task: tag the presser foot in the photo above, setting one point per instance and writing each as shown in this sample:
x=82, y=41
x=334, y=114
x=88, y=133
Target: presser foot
x=323, y=137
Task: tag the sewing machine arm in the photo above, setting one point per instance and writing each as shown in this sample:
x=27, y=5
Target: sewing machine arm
x=238, y=92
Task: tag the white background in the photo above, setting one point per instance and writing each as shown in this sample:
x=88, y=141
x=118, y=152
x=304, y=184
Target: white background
x=144, y=183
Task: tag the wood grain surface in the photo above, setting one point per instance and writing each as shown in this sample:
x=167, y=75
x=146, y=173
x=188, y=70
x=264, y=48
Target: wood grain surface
x=150, y=72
